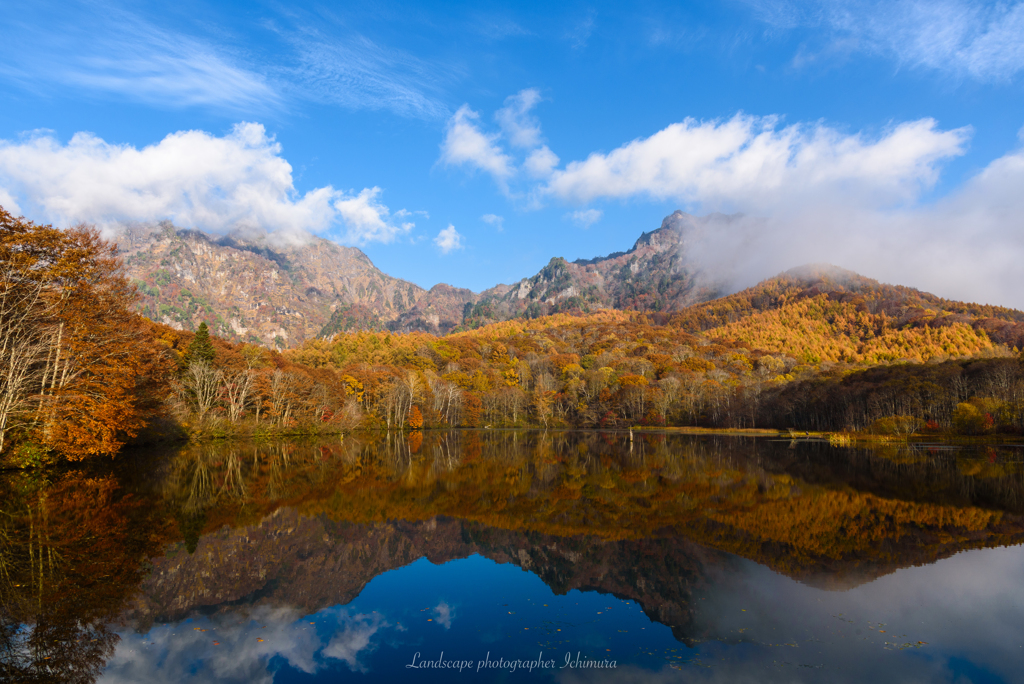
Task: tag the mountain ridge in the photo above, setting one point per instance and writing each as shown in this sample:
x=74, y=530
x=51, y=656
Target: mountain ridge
x=253, y=287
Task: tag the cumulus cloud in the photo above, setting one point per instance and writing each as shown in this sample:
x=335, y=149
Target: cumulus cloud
x=465, y=144
x=368, y=219
x=448, y=239
x=799, y=193
x=752, y=161
x=584, y=218
x=193, y=178
x=977, y=40
x=8, y=202
x=520, y=127
x=541, y=162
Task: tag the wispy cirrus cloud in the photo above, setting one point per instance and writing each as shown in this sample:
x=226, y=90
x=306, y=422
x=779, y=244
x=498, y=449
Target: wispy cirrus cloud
x=979, y=40
x=113, y=52
x=353, y=71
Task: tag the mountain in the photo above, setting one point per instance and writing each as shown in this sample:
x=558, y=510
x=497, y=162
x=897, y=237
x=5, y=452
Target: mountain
x=653, y=275
x=250, y=287
x=254, y=287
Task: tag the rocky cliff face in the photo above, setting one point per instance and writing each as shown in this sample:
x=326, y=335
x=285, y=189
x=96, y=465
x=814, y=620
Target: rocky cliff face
x=249, y=288
x=252, y=287
x=654, y=275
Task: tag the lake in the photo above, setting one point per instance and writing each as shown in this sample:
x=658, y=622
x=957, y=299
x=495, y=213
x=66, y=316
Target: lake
x=518, y=556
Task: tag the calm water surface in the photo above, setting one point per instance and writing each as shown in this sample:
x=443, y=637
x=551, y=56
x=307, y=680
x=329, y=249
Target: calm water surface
x=518, y=556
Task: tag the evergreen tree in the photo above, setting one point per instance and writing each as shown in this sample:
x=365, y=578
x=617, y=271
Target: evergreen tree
x=201, y=348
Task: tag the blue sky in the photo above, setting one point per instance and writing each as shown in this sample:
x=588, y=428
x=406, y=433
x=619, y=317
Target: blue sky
x=469, y=143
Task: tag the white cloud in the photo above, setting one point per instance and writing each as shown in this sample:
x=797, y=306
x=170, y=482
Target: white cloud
x=8, y=202
x=122, y=54
x=584, y=218
x=541, y=162
x=982, y=41
x=368, y=220
x=521, y=129
x=448, y=239
x=749, y=162
x=493, y=219
x=810, y=193
x=465, y=144
x=193, y=178
x=967, y=246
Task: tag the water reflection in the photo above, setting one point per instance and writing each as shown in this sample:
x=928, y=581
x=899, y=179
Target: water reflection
x=254, y=542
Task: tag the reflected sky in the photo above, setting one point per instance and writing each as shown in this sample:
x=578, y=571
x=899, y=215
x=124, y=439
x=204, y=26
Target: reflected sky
x=958, y=620
x=466, y=610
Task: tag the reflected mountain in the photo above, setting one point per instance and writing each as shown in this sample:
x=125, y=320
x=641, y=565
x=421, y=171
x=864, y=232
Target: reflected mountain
x=222, y=529
x=309, y=525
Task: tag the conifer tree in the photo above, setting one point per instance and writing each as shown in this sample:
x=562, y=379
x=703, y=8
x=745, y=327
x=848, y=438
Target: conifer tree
x=201, y=349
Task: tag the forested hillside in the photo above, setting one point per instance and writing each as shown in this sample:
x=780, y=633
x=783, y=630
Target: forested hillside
x=817, y=348
x=617, y=368
x=823, y=313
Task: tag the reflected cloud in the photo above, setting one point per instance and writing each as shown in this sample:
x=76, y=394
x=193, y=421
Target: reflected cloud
x=239, y=648
x=443, y=615
x=355, y=638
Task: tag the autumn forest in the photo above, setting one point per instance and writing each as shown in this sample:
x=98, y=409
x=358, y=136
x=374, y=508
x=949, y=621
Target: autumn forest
x=815, y=349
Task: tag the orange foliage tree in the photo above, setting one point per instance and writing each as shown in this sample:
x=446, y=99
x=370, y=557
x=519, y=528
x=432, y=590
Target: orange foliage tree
x=84, y=356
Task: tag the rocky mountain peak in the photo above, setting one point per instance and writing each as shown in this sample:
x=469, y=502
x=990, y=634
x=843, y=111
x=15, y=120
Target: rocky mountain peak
x=279, y=290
